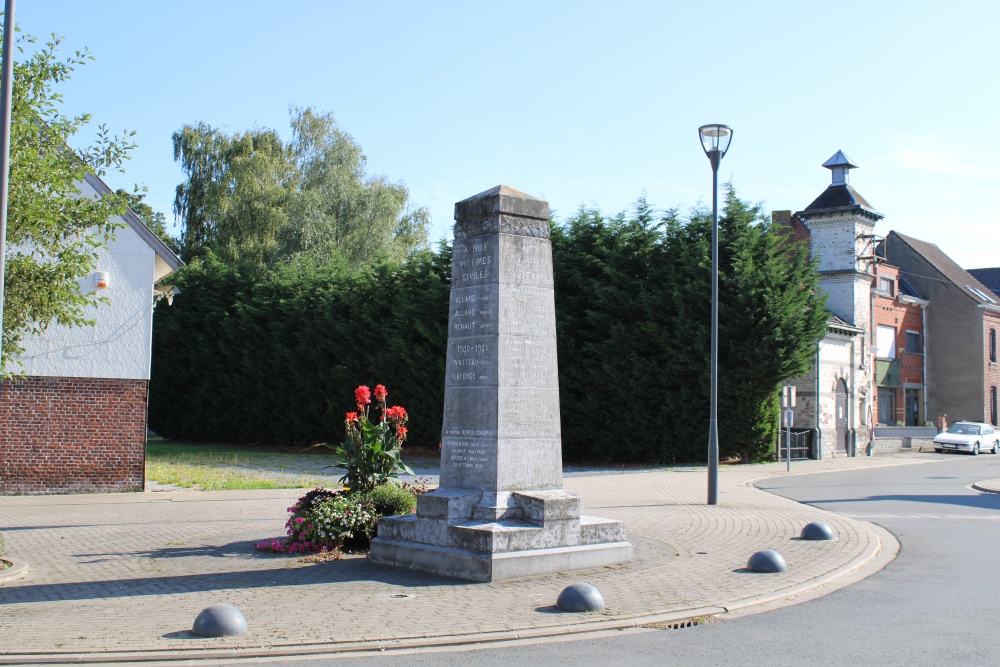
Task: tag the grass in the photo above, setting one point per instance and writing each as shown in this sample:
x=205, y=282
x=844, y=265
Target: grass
x=225, y=468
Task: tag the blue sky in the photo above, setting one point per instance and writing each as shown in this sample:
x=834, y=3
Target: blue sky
x=576, y=102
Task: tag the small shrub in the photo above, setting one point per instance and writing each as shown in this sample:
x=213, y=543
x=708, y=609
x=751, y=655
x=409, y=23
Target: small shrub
x=342, y=521
x=301, y=513
x=899, y=423
x=391, y=500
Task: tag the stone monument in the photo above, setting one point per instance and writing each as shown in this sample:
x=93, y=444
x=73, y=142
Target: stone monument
x=500, y=511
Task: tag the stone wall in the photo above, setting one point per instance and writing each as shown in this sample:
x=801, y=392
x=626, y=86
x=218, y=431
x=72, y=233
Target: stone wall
x=72, y=435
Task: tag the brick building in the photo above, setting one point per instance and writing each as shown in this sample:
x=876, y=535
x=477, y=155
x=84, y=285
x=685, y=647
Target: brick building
x=961, y=329
x=75, y=421
x=897, y=350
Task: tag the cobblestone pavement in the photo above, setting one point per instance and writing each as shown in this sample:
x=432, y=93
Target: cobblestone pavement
x=129, y=572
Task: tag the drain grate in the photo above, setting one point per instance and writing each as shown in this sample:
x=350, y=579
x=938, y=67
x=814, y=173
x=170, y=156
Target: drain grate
x=679, y=625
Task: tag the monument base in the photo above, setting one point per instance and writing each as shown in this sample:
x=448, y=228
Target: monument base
x=486, y=567
x=541, y=532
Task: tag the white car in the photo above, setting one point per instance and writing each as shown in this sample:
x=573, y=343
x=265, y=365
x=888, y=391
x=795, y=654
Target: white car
x=968, y=437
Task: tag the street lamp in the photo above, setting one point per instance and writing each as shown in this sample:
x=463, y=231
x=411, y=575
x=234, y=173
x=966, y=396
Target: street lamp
x=715, y=140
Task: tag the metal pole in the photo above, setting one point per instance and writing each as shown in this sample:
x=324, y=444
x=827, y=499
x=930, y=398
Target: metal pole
x=713, y=427
x=6, y=86
x=788, y=442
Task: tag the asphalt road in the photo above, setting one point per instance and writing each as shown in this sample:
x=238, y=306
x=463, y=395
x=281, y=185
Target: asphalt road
x=937, y=604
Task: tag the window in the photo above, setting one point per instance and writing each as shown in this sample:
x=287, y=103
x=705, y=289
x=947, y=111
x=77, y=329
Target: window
x=913, y=342
x=993, y=345
x=980, y=293
x=886, y=406
x=885, y=342
x=887, y=285
x=993, y=406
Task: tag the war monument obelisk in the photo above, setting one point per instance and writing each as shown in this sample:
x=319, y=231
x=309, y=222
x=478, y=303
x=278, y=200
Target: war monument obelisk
x=500, y=511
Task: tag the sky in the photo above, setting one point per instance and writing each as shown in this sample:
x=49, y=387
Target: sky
x=580, y=103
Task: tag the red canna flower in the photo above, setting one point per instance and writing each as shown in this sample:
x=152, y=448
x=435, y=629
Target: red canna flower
x=363, y=395
x=401, y=433
x=352, y=417
x=396, y=412
x=380, y=392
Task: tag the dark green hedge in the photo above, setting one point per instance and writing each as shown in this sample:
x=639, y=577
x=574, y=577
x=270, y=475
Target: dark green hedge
x=275, y=359
x=248, y=359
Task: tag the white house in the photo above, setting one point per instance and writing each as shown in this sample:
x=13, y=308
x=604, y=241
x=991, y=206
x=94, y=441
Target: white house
x=76, y=420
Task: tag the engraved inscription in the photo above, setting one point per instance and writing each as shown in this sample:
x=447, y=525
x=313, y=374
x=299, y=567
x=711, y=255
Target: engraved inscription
x=473, y=311
x=528, y=362
x=528, y=413
x=472, y=361
x=474, y=261
x=525, y=261
x=470, y=454
x=527, y=311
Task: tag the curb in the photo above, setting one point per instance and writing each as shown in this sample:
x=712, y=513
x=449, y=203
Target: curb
x=752, y=481
x=18, y=568
x=987, y=486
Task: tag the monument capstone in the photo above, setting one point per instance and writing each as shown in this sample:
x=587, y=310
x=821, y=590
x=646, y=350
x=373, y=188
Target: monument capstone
x=500, y=511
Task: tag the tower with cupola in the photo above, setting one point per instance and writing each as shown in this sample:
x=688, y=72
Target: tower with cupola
x=841, y=224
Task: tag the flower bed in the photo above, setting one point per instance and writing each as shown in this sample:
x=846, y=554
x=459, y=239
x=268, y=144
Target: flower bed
x=325, y=521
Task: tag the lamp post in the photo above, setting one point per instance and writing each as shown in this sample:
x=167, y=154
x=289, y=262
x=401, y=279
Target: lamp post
x=6, y=86
x=715, y=140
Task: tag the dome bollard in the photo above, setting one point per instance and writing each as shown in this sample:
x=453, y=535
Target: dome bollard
x=580, y=597
x=817, y=530
x=767, y=561
x=220, y=620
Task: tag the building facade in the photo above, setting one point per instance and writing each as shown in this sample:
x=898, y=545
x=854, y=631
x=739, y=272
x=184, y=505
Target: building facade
x=75, y=420
x=961, y=329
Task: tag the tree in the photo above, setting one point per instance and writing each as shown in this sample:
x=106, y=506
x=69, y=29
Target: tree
x=336, y=208
x=250, y=198
x=53, y=234
x=633, y=311
x=233, y=200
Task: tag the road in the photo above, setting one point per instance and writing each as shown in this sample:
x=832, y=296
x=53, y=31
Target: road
x=937, y=604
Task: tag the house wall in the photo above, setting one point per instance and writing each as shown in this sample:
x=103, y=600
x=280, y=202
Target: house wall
x=888, y=311
x=118, y=346
x=72, y=435
x=838, y=360
x=953, y=337
x=991, y=369
x=77, y=421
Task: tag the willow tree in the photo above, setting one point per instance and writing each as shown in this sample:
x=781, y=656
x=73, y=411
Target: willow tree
x=233, y=199
x=53, y=234
x=249, y=198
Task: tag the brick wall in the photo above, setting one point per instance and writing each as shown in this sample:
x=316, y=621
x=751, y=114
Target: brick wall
x=991, y=374
x=72, y=435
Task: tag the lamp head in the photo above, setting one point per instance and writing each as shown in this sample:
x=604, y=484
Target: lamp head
x=715, y=140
